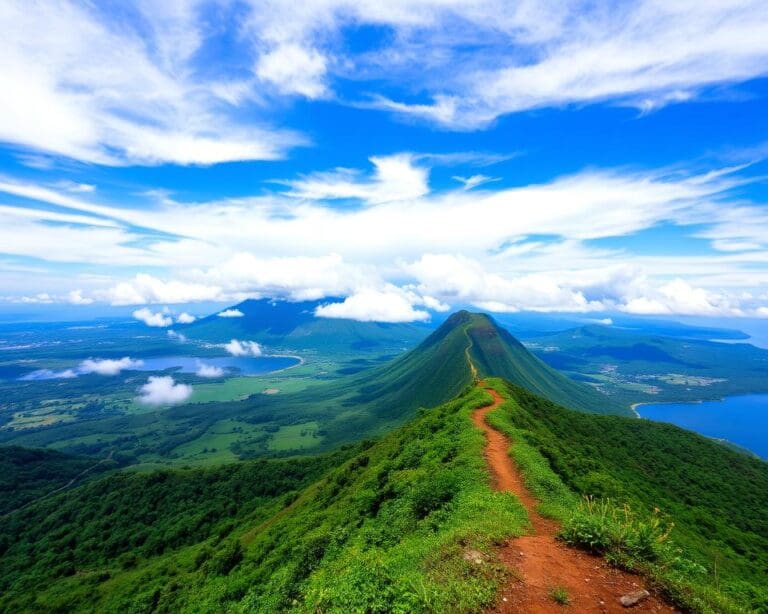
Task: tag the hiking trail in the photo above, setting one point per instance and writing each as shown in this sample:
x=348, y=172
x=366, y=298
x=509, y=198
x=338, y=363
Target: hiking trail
x=539, y=562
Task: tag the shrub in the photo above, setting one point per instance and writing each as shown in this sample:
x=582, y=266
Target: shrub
x=623, y=535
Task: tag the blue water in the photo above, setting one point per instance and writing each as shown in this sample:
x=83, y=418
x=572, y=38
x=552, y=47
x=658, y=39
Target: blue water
x=742, y=420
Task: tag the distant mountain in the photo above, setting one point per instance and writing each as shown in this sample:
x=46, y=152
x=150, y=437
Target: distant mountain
x=295, y=325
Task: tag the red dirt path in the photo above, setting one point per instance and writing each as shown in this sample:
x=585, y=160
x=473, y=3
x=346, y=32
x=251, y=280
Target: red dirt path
x=539, y=562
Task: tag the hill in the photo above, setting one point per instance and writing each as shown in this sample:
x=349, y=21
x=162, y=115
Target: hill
x=398, y=524
x=294, y=325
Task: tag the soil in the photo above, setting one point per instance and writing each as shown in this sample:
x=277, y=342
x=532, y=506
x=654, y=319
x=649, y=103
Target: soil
x=540, y=563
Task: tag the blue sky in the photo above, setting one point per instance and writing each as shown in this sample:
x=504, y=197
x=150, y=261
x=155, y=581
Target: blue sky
x=405, y=156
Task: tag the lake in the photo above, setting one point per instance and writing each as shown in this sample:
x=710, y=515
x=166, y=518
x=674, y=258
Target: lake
x=742, y=420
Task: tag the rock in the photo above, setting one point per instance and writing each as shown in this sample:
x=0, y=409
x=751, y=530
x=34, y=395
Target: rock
x=632, y=599
x=474, y=556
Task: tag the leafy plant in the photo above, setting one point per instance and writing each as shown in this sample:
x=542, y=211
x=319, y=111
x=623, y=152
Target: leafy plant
x=559, y=594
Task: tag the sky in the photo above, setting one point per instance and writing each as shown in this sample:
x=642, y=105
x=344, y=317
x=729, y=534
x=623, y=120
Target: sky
x=398, y=158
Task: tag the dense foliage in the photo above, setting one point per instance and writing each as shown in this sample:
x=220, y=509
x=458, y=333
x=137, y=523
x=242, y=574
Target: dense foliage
x=27, y=475
x=117, y=522
x=387, y=530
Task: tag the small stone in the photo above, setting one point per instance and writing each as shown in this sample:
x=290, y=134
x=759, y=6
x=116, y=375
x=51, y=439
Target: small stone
x=474, y=556
x=521, y=554
x=632, y=599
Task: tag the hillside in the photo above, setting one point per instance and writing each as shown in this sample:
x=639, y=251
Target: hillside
x=294, y=325
x=399, y=525
x=28, y=474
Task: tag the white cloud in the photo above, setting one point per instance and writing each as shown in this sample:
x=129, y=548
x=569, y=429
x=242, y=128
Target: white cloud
x=292, y=69
x=243, y=348
x=205, y=370
x=143, y=289
x=185, y=318
x=374, y=306
x=151, y=318
x=230, y=313
x=555, y=54
x=679, y=297
x=114, y=93
x=108, y=366
x=474, y=180
x=177, y=336
x=76, y=298
x=395, y=178
x=164, y=391
x=538, y=253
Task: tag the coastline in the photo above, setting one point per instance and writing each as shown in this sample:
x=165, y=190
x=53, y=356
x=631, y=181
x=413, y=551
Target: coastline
x=298, y=364
x=634, y=406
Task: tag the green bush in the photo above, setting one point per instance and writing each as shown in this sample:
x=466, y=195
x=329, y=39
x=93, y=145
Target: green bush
x=626, y=536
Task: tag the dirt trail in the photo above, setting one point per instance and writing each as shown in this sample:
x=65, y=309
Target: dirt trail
x=540, y=562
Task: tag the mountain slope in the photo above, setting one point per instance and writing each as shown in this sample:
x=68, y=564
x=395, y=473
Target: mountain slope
x=295, y=325
x=396, y=527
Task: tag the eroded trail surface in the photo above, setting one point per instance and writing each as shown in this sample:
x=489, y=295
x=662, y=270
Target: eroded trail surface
x=540, y=563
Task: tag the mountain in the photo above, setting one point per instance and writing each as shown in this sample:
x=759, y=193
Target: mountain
x=398, y=524
x=295, y=325
x=442, y=365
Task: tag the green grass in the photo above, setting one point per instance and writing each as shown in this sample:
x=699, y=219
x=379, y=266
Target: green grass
x=559, y=595
x=295, y=437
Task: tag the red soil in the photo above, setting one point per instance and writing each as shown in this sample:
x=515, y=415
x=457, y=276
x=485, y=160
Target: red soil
x=539, y=562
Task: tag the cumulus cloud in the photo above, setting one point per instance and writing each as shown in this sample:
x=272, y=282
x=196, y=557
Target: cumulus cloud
x=230, y=313
x=243, y=348
x=205, y=370
x=108, y=366
x=185, y=318
x=374, y=306
x=164, y=391
x=144, y=289
x=293, y=69
x=76, y=298
x=151, y=318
